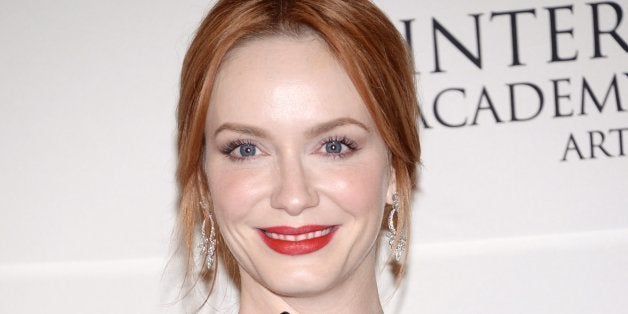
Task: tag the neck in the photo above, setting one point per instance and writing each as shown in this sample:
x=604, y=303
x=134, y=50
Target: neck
x=355, y=294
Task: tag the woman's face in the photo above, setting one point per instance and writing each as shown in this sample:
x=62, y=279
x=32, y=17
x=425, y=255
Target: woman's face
x=298, y=173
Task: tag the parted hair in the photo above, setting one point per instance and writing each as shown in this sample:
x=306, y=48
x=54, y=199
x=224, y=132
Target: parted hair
x=365, y=43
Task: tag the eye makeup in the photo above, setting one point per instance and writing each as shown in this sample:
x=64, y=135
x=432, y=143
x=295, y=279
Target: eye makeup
x=239, y=150
x=332, y=147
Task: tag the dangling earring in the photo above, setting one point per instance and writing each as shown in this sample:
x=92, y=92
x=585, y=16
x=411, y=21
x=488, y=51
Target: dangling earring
x=208, y=245
x=392, y=231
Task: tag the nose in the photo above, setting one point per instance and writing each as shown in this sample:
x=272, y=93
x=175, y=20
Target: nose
x=293, y=191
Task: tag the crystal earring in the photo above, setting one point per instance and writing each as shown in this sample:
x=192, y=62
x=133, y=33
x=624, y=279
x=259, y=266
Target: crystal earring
x=398, y=249
x=208, y=245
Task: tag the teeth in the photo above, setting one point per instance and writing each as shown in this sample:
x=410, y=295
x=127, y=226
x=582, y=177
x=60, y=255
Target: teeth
x=298, y=237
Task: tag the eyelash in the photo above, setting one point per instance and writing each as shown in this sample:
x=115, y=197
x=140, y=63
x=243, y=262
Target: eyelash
x=351, y=145
x=230, y=147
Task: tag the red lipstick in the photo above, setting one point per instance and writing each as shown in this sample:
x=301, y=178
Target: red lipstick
x=296, y=241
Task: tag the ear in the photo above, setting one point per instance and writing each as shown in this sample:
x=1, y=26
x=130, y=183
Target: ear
x=392, y=185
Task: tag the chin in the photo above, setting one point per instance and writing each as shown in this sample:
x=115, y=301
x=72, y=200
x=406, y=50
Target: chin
x=302, y=283
x=302, y=276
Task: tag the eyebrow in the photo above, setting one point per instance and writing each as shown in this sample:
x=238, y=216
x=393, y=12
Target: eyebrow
x=313, y=132
x=241, y=128
x=328, y=126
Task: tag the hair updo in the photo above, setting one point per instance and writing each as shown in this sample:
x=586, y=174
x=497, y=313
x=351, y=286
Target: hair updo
x=365, y=43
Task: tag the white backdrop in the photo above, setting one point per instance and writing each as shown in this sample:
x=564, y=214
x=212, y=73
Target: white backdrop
x=512, y=216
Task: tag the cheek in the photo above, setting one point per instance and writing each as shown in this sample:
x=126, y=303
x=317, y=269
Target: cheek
x=235, y=191
x=359, y=189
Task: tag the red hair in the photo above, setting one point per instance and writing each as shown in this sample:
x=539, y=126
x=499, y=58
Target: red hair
x=361, y=38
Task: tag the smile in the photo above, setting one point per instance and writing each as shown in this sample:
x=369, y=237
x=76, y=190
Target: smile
x=297, y=241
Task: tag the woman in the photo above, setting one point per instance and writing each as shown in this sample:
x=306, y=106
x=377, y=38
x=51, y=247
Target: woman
x=297, y=145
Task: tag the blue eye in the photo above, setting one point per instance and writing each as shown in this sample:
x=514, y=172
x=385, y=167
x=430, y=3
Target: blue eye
x=247, y=150
x=333, y=147
x=338, y=147
x=240, y=150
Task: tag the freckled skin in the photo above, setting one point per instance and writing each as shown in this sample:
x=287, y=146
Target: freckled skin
x=286, y=87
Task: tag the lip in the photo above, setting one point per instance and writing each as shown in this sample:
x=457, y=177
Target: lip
x=297, y=240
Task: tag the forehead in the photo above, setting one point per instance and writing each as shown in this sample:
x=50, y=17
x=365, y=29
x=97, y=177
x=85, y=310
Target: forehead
x=284, y=79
